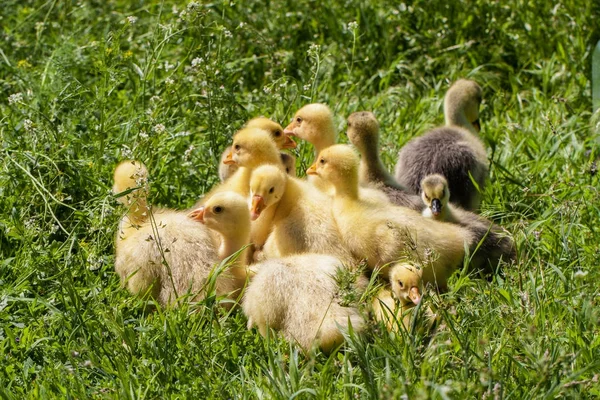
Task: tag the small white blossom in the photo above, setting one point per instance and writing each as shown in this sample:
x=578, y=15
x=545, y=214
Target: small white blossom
x=314, y=48
x=189, y=151
x=15, y=98
x=306, y=87
x=197, y=61
x=159, y=128
x=169, y=81
x=126, y=152
x=143, y=135
x=580, y=274
x=222, y=87
x=353, y=25
x=28, y=125
x=267, y=90
x=192, y=5
x=241, y=25
x=227, y=33
x=131, y=19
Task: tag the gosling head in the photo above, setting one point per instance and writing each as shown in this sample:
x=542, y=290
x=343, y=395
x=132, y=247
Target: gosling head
x=131, y=174
x=435, y=194
x=407, y=282
x=363, y=130
x=337, y=165
x=282, y=141
x=313, y=123
x=224, y=212
x=267, y=186
x=252, y=147
x=462, y=101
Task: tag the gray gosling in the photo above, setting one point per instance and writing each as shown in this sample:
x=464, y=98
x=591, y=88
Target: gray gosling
x=496, y=244
x=455, y=151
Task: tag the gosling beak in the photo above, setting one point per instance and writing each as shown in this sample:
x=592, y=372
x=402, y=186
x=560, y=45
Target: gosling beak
x=415, y=295
x=229, y=159
x=258, y=205
x=289, y=143
x=312, y=170
x=197, y=215
x=477, y=125
x=436, y=207
x=289, y=130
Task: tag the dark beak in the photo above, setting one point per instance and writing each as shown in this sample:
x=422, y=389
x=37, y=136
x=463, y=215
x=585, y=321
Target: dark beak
x=477, y=125
x=436, y=207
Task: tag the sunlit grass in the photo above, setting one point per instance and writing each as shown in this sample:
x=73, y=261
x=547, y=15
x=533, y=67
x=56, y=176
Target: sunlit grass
x=83, y=86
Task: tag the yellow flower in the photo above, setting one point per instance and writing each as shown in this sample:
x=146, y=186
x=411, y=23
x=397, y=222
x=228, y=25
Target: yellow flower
x=23, y=64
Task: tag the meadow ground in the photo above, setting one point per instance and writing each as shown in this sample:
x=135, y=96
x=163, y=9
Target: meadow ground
x=84, y=84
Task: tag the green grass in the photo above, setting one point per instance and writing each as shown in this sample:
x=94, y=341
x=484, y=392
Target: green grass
x=171, y=88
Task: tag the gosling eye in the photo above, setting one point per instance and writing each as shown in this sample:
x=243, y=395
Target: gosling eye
x=401, y=284
x=322, y=161
x=272, y=190
x=299, y=120
x=349, y=124
x=287, y=170
x=237, y=147
x=218, y=209
x=277, y=133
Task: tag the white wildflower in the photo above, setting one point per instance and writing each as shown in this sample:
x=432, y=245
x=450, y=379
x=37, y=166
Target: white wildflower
x=126, y=151
x=192, y=5
x=353, y=25
x=267, y=90
x=306, y=87
x=169, y=81
x=580, y=274
x=131, y=19
x=159, y=128
x=143, y=135
x=227, y=33
x=197, y=61
x=28, y=125
x=241, y=25
x=188, y=152
x=15, y=98
x=222, y=87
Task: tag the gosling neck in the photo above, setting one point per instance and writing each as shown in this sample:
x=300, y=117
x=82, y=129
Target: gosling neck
x=323, y=138
x=232, y=243
x=288, y=200
x=371, y=167
x=347, y=188
x=454, y=115
x=138, y=211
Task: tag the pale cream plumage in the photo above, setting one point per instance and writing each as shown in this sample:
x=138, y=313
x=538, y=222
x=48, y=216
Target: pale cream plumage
x=302, y=220
x=298, y=296
x=167, y=254
x=383, y=234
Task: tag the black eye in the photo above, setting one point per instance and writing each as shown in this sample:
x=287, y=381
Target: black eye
x=401, y=284
x=237, y=147
x=299, y=120
x=322, y=161
x=277, y=133
x=287, y=170
x=271, y=190
x=349, y=124
x=218, y=209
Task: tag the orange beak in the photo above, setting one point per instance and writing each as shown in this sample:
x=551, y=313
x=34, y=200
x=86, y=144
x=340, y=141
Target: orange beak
x=258, y=205
x=289, y=143
x=197, y=215
x=415, y=295
x=289, y=130
x=229, y=158
x=312, y=170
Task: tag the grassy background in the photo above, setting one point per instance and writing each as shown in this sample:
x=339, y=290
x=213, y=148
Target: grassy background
x=82, y=87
